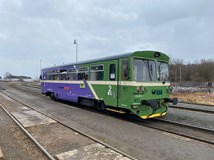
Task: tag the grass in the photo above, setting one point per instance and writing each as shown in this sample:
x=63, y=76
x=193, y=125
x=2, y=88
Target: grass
x=197, y=97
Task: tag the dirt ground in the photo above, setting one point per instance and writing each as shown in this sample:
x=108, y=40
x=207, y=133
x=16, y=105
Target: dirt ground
x=198, y=98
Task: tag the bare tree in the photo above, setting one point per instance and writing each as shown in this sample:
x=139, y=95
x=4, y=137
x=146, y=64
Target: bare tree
x=198, y=71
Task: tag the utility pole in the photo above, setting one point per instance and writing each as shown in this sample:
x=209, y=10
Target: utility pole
x=37, y=74
x=40, y=67
x=76, y=42
x=180, y=73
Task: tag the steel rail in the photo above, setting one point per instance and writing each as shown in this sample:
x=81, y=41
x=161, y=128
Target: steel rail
x=193, y=109
x=72, y=128
x=187, y=126
x=32, y=86
x=147, y=123
x=209, y=105
x=47, y=154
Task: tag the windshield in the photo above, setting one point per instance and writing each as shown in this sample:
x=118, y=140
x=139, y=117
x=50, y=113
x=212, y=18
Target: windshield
x=163, y=71
x=144, y=70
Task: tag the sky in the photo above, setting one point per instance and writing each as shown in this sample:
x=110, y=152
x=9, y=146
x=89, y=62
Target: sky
x=41, y=33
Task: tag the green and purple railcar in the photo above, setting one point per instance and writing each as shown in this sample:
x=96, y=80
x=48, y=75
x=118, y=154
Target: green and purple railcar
x=134, y=83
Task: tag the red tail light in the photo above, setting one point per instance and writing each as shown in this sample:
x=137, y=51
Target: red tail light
x=138, y=89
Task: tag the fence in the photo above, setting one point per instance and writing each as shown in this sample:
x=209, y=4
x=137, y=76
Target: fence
x=191, y=87
x=194, y=84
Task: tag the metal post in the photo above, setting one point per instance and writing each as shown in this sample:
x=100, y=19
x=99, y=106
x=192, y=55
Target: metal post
x=37, y=74
x=40, y=68
x=180, y=74
x=76, y=42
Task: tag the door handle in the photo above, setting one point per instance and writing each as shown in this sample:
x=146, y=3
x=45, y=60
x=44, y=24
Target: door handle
x=114, y=95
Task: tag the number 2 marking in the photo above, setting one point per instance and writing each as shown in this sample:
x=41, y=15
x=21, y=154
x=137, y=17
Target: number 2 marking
x=109, y=90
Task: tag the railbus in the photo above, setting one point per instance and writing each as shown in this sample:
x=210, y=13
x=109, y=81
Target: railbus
x=135, y=83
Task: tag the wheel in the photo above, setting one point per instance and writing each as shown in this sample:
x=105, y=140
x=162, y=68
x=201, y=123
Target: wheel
x=100, y=107
x=53, y=97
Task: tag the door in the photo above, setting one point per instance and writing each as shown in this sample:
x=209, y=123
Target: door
x=124, y=89
x=112, y=84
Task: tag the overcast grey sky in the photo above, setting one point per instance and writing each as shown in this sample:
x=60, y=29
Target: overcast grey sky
x=31, y=30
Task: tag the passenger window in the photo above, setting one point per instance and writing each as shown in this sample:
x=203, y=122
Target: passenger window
x=49, y=75
x=112, y=72
x=72, y=74
x=63, y=74
x=125, y=69
x=83, y=73
x=97, y=73
x=56, y=75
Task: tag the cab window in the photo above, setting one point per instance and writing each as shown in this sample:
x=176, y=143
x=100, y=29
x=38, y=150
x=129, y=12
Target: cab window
x=144, y=70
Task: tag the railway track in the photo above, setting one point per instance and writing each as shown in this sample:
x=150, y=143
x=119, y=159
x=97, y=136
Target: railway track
x=189, y=131
x=210, y=111
x=32, y=86
x=44, y=151
x=186, y=125
x=48, y=154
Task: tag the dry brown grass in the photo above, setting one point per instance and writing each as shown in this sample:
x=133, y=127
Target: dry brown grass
x=198, y=98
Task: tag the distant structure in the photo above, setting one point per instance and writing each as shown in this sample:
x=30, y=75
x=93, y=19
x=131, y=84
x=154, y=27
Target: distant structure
x=10, y=77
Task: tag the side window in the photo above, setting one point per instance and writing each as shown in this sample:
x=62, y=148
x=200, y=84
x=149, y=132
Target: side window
x=63, y=74
x=112, y=72
x=44, y=75
x=125, y=69
x=83, y=73
x=97, y=73
x=55, y=74
x=72, y=74
x=49, y=75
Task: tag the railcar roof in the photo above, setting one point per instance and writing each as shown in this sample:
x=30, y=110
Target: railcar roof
x=125, y=55
x=94, y=60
